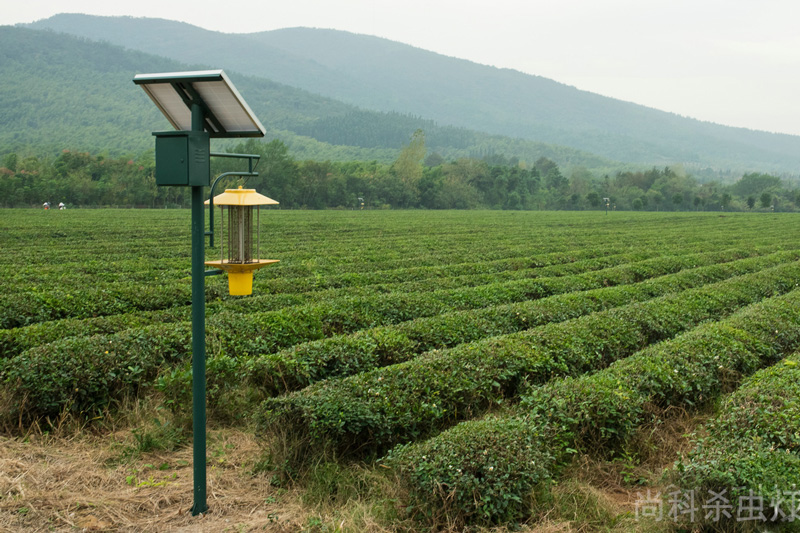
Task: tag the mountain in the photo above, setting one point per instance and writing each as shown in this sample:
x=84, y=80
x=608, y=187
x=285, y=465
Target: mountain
x=378, y=74
x=60, y=91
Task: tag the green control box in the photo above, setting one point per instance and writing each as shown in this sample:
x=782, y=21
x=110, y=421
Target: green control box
x=183, y=158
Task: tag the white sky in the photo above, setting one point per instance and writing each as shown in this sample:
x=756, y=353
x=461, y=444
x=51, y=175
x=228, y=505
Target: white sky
x=734, y=62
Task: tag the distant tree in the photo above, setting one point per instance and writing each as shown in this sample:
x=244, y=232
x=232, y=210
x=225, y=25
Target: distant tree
x=697, y=201
x=677, y=200
x=637, y=204
x=513, y=201
x=545, y=165
x=408, y=166
x=656, y=197
x=593, y=198
x=580, y=181
x=10, y=162
x=555, y=180
x=278, y=172
x=725, y=201
x=434, y=159
x=751, y=202
x=496, y=160
x=755, y=183
x=765, y=199
x=458, y=185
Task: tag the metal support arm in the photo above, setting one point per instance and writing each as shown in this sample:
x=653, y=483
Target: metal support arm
x=250, y=173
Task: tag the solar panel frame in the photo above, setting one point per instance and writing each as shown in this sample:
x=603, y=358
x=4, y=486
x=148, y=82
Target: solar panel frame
x=174, y=92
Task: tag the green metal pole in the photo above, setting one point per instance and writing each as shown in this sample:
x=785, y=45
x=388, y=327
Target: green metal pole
x=198, y=337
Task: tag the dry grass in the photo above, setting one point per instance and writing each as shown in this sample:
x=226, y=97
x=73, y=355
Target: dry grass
x=79, y=483
x=597, y=494
x=79, y=477
x=86, y=483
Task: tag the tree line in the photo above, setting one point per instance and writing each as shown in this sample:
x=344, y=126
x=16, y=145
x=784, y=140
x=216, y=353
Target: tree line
x=416, y=179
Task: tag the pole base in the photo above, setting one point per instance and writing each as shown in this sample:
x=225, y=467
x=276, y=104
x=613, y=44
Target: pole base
x=199, y=509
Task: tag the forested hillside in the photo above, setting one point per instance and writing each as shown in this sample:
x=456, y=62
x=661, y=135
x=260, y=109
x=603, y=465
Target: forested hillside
x=382, y=75
x=76, y=129
x=62, y=92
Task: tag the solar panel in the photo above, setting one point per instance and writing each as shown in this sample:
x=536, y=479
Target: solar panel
x=226, y=113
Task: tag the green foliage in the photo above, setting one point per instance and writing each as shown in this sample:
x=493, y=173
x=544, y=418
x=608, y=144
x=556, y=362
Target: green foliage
x=454, y=480
x=402, y=402
x=497, y=182
x=87, y=374
x=753, y=183
x=339, y=356
x=752, y=446
x=20, y=309
x=597, y=410
x=535, y=317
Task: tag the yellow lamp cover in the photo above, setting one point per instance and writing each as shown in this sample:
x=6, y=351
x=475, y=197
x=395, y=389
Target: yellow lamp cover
x=242, y=197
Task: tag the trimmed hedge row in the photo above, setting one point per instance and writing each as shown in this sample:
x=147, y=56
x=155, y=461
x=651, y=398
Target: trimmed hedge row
x=34, y=306
x=485, y=471
x=339, y=356
x=478, y=261
x=246, y=334
x=428, y=278
x=243, y=335
x=86, y=374
x=16, y=340
x=344, y=355
x=367, y=412
x=375, y=276
x=752, y=446
x=31, y=306
x=21, y=309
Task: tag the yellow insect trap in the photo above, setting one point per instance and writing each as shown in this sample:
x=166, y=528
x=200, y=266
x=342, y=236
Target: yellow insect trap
x=240, y=246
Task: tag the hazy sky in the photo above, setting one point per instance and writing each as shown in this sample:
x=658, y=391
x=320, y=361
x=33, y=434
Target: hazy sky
x=734, y=62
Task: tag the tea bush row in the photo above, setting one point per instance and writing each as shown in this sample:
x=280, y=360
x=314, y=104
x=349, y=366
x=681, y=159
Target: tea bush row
x=367, y=412
x=338, y=356
x=342, y=355
x=254, y=333
x=15, y=340
x=54, y=298
x=86, y=374
x=485, y=471
x=752, y=447
x=77, y=272
x=20, y=309
x=517, y=266
x=345, y=355
x=437, y=278
x=52, y=301
x=251, y=334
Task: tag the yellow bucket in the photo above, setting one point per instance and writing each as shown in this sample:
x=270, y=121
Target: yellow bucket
x=240, y=283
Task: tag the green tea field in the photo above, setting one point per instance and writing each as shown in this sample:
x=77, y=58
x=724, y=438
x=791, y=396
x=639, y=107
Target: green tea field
x=402, y=371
